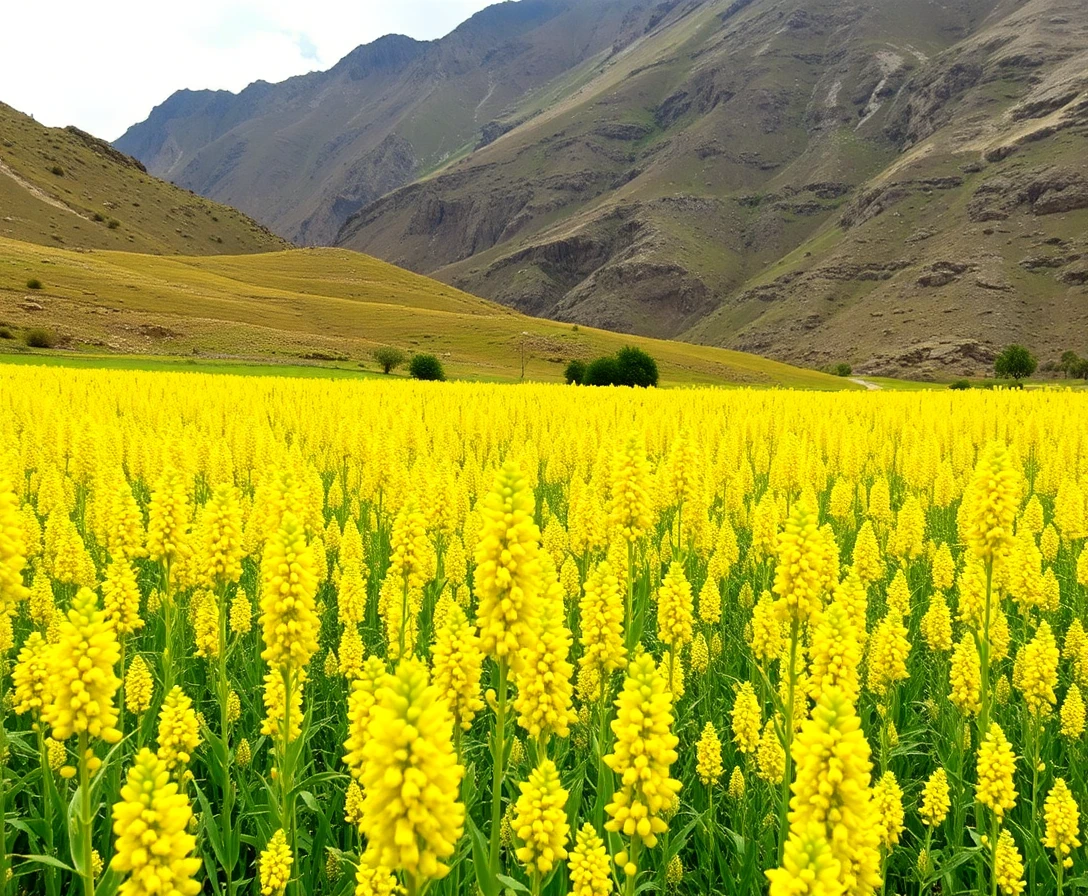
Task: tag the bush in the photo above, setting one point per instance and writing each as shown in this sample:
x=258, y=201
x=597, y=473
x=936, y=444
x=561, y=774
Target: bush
x=575, y=374
x=99, y=217
x=842, y=370
x=960, y=385
x=602, y=372
x=389, y=358
x=635, y=368
x=57, y=170
x=113, y=224
x=39, y=338
x=1080, y=370
x=1015, y=363
x=33, y=283
x=5, y=333
x=1070, y=361
x=426, y=367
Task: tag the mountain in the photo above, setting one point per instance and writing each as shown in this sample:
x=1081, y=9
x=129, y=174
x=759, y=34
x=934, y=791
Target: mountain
x=63, y=187
x=306, y=154
x=899, y=184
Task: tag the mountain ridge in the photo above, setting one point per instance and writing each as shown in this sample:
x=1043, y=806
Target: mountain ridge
x=757, y=174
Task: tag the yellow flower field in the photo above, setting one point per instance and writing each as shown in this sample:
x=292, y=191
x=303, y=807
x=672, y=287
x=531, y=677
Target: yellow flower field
x=272, y=636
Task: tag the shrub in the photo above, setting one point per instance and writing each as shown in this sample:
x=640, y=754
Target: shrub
x=33, y=283
x=842, y=370
x=57, y=170
x=114, y=224
x=635, y=368
x=99, y=217
x=389, y=358
x=1070, y=361
x=1080, y=370
x=602, y=372
x=5, y=333
x=960, y=385
x=1015, y=363
x=575, y=374
x=40, y=338
x=426, y=367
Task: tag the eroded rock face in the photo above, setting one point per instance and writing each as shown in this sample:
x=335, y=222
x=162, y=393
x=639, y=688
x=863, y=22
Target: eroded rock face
x=1045, y=191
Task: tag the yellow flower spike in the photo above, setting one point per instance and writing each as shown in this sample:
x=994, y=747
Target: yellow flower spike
x=1008, y=865
x=178, y=734
x=275, y=865
x=1072, y=714
x=644, y=750
x=508, y=578
x=288, y=585
x=589, y=866
x=154, y=849
x=995, y=768
x=540, y=820
x=1062, y=822
x=708, y=756
x=888, y=803
x=82, y=682
x=31, y=675
x=675, y=609
x=834, y=822
x=747, y=718
x=990, y=503
x=601, y=615
x=412, y=815
x=935, y=799
x=139, y=686
x=457, y=666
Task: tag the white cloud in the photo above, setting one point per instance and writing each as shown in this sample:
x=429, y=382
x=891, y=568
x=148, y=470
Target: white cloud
x=103, y=66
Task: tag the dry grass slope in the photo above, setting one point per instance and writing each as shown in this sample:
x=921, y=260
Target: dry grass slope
x=326, y=305
x=63, y=187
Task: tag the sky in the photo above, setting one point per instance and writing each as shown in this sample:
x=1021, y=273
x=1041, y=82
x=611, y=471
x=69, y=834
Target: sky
x=104, y=66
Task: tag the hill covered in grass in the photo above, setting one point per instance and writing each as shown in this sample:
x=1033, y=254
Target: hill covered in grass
x=63, y=187
x=322, y=306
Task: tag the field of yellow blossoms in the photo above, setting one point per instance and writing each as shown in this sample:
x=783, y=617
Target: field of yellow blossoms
x=303, y=637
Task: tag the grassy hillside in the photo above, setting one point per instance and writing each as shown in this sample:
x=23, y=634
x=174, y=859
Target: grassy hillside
x=63, y=187
x=320, y=305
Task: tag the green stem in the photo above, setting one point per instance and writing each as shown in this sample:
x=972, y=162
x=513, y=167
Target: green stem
x=47, y=807
x=224, y=732
x=403, y=618
x=86, y=820
x=602, y=745
x=498, y=759
x=984, y=656
x=287, y=808
x=787, y=739
x=630, y=595
x=3, y=789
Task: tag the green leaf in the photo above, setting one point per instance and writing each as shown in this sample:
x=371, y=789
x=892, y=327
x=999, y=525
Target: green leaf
x=49, y=860
x=511, y=884
x=489, y=886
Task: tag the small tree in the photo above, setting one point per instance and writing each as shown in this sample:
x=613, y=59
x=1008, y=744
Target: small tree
x=602, y=372
x=635, y=368
x=1015, y=363
x=426, y=367
x=1069, y=363
x=1080, y=369
x=389, y=358
x=842, y=370
x=575, y=373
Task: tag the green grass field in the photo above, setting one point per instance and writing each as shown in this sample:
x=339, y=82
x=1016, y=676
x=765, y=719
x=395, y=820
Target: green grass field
x=291, y=309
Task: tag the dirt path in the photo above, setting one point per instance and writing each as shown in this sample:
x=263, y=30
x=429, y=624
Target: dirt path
x=38, y=193
x=872, y=387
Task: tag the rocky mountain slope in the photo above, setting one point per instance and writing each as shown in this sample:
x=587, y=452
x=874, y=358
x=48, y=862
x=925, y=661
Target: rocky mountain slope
x=63, y=187
x=901, y=184
x=304, y=155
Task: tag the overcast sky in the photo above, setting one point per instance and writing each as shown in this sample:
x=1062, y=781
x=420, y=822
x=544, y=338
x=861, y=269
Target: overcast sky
x=103, y=65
